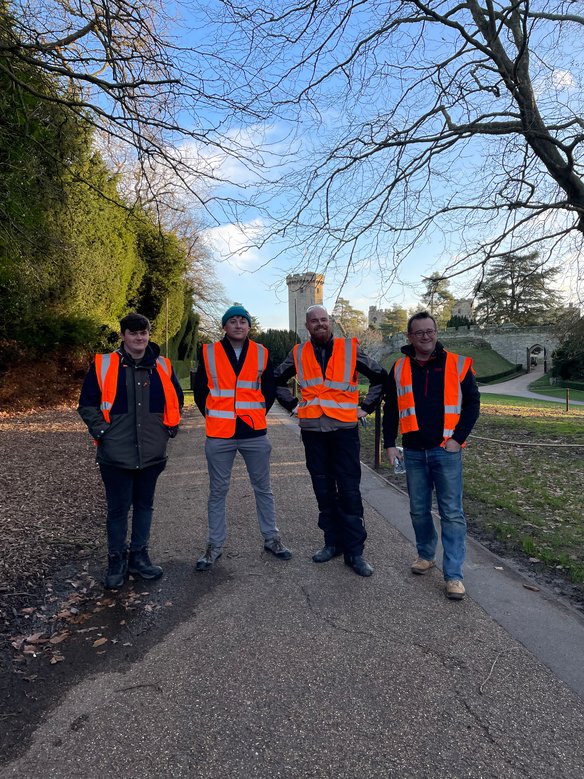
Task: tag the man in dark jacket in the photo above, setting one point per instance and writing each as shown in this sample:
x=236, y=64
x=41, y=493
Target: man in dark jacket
x=328, y=414
x=131, y=402
x=234, y=390
x=433, y=396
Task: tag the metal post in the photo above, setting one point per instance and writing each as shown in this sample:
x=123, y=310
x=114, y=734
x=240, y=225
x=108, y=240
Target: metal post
x=567, y=398
x=166, y=330
x=377, y=450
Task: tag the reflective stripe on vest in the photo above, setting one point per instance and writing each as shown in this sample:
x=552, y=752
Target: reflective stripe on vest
x=455, y=369
x=107, y=378
x=107, y=368
x=232, y=396
x=335, y=394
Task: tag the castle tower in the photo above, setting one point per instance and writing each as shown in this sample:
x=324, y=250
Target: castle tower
x=304, y=290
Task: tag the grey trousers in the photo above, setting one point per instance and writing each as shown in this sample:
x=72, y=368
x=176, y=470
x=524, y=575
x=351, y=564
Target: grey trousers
x=220, y=454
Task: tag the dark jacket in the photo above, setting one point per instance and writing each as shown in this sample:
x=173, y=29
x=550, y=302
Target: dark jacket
x=428, y=387
x=268, y=387
x=365, y=365
x=136, y=437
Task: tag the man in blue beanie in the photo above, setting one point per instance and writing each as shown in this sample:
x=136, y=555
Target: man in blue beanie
x=234, y=389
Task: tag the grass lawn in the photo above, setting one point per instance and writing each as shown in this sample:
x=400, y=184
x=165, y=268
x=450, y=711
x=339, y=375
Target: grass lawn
x=524, y=481
x=486, y=361
x=543, y=387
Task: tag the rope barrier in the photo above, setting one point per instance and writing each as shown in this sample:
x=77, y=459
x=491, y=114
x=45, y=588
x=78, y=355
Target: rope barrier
x=527, y=443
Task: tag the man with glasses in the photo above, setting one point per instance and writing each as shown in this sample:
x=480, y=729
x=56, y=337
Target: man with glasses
x=433, y=397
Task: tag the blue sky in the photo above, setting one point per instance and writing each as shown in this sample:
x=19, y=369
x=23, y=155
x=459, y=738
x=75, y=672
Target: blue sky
x=261, y=287
x=255, y=275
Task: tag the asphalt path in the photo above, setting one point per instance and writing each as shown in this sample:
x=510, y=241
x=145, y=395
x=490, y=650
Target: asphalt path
x=518, y=387
x=291, y=669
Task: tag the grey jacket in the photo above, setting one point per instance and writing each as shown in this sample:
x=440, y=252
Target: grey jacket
x=136, y=436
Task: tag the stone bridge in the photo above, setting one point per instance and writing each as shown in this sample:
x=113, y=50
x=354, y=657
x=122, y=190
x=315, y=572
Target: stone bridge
x=516, y=344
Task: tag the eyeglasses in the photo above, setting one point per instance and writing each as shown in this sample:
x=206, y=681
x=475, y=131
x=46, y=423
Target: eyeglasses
x=420, y=333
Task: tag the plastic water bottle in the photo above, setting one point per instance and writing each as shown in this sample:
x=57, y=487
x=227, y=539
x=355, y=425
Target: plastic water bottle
x=399, y=464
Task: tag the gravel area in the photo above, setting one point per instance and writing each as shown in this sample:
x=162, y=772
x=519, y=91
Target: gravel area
x=52, y=505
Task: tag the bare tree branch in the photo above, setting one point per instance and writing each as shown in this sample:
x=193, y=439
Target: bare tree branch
x=424, y=119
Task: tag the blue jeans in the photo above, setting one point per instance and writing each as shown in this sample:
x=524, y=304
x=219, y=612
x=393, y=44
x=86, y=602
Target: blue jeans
x=442, y=470
x=127, y=488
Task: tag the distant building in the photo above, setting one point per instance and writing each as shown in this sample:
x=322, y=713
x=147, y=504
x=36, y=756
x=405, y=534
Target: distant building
x=304, y=290
x=463, y=309
x=376, y=317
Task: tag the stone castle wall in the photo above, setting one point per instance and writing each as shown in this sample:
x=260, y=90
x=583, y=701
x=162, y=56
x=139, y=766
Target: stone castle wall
x=510, y=341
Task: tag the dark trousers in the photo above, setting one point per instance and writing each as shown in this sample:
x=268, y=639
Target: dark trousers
x=124, y=489
x=333, y=462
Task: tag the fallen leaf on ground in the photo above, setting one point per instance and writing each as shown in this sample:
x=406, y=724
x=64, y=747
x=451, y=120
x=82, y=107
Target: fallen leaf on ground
x=35, y=638
x=100, y=642
x=58, y=638
x=531, y=587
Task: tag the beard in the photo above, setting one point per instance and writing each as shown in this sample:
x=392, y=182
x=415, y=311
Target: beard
x=322, y=335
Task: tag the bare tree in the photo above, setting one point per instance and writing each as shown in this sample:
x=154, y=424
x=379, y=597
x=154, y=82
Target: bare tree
x=422, y=120
x=124, y=69
x=406, y=121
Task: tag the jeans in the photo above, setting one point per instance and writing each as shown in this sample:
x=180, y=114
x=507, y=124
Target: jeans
x=333, y=462
x=125, y=488
x=220, y=453
x=442, y=470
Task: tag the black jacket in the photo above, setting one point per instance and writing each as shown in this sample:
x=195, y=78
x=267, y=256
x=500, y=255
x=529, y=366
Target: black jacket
x=428, y=387
x=268, y=387
x=136, y=436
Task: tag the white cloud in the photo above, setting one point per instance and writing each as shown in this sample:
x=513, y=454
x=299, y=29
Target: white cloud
x=247, y=156
x=563, y=79
x=234, y=244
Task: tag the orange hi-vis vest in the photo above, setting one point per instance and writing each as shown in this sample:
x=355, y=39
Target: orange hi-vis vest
x=107, y=367
x=232, y=396
x=456, y=368
x=336, y=394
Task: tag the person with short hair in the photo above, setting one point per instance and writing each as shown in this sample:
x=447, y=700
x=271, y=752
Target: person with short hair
x=328, y=414
x=131, y=402
x=432, y=395
x=234, y=390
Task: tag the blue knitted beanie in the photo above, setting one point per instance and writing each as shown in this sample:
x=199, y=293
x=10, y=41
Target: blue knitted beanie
x=235, y=311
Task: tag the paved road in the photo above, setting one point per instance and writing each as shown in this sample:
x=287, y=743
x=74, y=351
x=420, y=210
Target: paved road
x=518, y=387
x=298, y=670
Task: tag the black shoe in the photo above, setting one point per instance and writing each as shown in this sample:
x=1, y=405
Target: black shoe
x=140, y=564
x=326, y=553
x=117, y=570
x=359, y=565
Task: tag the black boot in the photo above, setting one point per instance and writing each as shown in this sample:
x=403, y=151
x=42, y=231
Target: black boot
x=140, y=564
x=117, y=570
x=359, y=565
x=326, y=553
